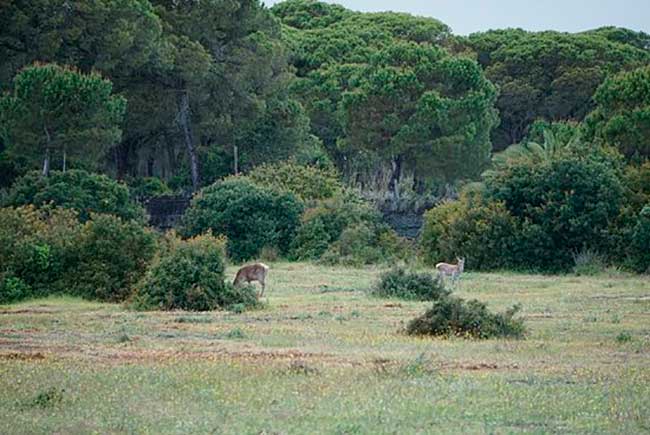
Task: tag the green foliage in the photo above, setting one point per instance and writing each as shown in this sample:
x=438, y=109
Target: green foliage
x=147, y=187
x=622, y=113
x=251, y=217
x=345, y=229
x=37, y=251
x=78, y=190
x=13, y=289
x=545, y=142
x=190, y=276
x=432, y=110
x=307, y=183
x=455, y=316
x=48, y=251
x=378, y=83
x=482, y=231
x=402, y=284
x=58, y=112
x=309, y=14
x=563, y=205
x=365, y=243
x=549, y=75
x=112, y=256
x=639, y=248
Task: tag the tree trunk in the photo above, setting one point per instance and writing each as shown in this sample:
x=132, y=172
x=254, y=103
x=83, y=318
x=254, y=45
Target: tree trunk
x=46, y=163
x=236, y=157
x=46, y=160
x=186, y=127
x=64, y=160
x=395, y=176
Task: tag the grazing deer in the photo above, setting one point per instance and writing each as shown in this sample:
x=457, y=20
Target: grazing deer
x=252, y=272
x=453, y=270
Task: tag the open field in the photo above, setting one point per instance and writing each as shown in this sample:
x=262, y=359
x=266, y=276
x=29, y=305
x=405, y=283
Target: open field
x=323, y=357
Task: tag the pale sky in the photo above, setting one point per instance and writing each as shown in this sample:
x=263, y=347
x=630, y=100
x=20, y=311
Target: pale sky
x=468, y=16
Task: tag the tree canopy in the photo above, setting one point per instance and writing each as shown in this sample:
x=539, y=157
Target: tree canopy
x=56, y=111
x=549, y=75
x=622, y=114
x=380, y=85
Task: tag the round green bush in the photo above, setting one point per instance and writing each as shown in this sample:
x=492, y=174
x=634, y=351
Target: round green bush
x=455, y=316
x=189, y=275
x=402, y=284
x=251, y=217
x=78, y=190
x=112, y=256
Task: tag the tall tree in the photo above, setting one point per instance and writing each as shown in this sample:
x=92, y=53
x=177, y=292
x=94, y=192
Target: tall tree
x=55, y=110
x=381, y=92
x=416, y=105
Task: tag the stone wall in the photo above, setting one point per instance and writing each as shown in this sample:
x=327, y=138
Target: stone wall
x=405, y=223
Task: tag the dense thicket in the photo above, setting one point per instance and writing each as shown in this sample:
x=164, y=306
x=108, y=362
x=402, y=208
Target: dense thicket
x=542, y=206
x=49, y=251
x=309, y=101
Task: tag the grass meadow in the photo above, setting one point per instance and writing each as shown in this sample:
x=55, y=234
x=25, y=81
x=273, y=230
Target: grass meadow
x=324, y=357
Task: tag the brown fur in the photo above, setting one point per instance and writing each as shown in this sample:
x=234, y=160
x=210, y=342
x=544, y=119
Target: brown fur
x=252, y=272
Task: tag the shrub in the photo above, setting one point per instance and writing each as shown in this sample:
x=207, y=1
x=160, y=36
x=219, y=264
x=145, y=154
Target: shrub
x=189, y=275
x=112, y=257
x=250, y=216
x=364, y=243
x=13, y=289
x=311, y=241
x=563, y=204
x=482, y=231
x=48, y=251
x=323, y=224
x=36, y=250
x=398, y=283
x=307, y=183
x=78, y=190
x=455, y=316
x=346, y=229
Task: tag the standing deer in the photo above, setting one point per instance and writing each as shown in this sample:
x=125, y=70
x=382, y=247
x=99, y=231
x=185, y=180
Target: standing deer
x=252, y=272
x=453, y=270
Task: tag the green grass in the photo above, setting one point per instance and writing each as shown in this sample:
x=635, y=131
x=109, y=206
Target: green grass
x=315, y=361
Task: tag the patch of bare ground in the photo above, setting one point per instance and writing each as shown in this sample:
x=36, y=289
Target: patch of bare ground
x=22, y=356
x=36, y=310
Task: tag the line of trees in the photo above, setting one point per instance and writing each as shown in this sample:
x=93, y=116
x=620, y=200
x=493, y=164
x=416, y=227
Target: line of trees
x=174, y=89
